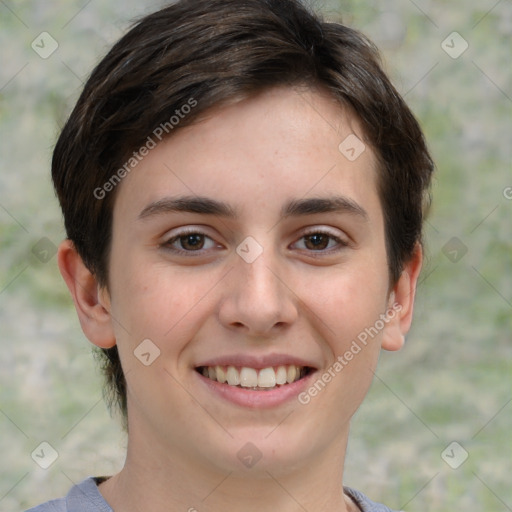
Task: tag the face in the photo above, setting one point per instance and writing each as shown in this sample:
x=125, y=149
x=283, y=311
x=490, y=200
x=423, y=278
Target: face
x=249, y=248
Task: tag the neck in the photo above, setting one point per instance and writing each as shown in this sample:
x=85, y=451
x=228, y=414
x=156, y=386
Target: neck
x=177, y=483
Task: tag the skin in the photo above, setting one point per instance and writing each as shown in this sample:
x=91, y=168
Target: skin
x=294, y=299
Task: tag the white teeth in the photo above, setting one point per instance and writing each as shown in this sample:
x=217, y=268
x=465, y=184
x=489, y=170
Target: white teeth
x=221, y=374
x=232, y=376
x=281, y=375
x=291, y=374
x=266, y=378
x=248, y=378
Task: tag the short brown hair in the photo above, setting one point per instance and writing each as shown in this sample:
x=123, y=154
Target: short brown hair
x=214, y=51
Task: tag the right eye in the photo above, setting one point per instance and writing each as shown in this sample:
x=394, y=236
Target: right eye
x=189, y=241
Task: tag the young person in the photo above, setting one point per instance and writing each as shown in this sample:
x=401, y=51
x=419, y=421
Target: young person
x=243, y=192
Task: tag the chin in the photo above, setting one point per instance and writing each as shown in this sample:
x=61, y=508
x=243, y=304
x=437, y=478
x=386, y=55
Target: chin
x=258, y=451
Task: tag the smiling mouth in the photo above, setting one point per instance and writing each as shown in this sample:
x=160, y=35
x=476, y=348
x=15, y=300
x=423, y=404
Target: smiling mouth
x=264, y=379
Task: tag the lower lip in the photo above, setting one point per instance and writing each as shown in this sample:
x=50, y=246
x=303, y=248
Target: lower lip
x=257, y=399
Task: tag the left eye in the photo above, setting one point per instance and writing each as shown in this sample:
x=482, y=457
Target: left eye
x=190, y=242
x=319, y=241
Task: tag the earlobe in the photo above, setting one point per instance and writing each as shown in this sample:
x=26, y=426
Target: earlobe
x=401, y=303
x=91, y=301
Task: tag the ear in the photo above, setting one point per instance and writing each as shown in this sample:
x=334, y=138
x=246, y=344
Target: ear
x=401, y=303
x=92, y=302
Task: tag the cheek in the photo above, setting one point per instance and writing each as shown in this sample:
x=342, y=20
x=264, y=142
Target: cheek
x=166, y=309
x=158, y=302
x=346, y=308
x=347, y=302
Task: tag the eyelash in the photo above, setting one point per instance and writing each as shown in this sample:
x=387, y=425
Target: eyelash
x=168, y=244
x=341, y=243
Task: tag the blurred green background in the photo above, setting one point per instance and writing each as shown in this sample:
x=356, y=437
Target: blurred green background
x=452, y=381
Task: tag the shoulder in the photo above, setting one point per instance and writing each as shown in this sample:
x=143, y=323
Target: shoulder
x=58, y=505
x=364, y=503
x=83, y=497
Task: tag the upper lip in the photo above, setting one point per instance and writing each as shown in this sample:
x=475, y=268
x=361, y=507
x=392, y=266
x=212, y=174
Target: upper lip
x=257, y=362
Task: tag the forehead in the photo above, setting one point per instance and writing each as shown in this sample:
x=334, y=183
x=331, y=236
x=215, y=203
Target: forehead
x=280, y=145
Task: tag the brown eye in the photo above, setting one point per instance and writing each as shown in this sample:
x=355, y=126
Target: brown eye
x=189, y=242
x=320, y=242
x=317, y=241
x=192, y=242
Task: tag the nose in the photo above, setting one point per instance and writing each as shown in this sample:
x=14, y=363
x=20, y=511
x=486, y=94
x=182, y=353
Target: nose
x=258, y=300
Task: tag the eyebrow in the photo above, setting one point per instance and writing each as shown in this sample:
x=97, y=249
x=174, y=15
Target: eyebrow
x=335, y=204
x=295, y=207
x=191, y=204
